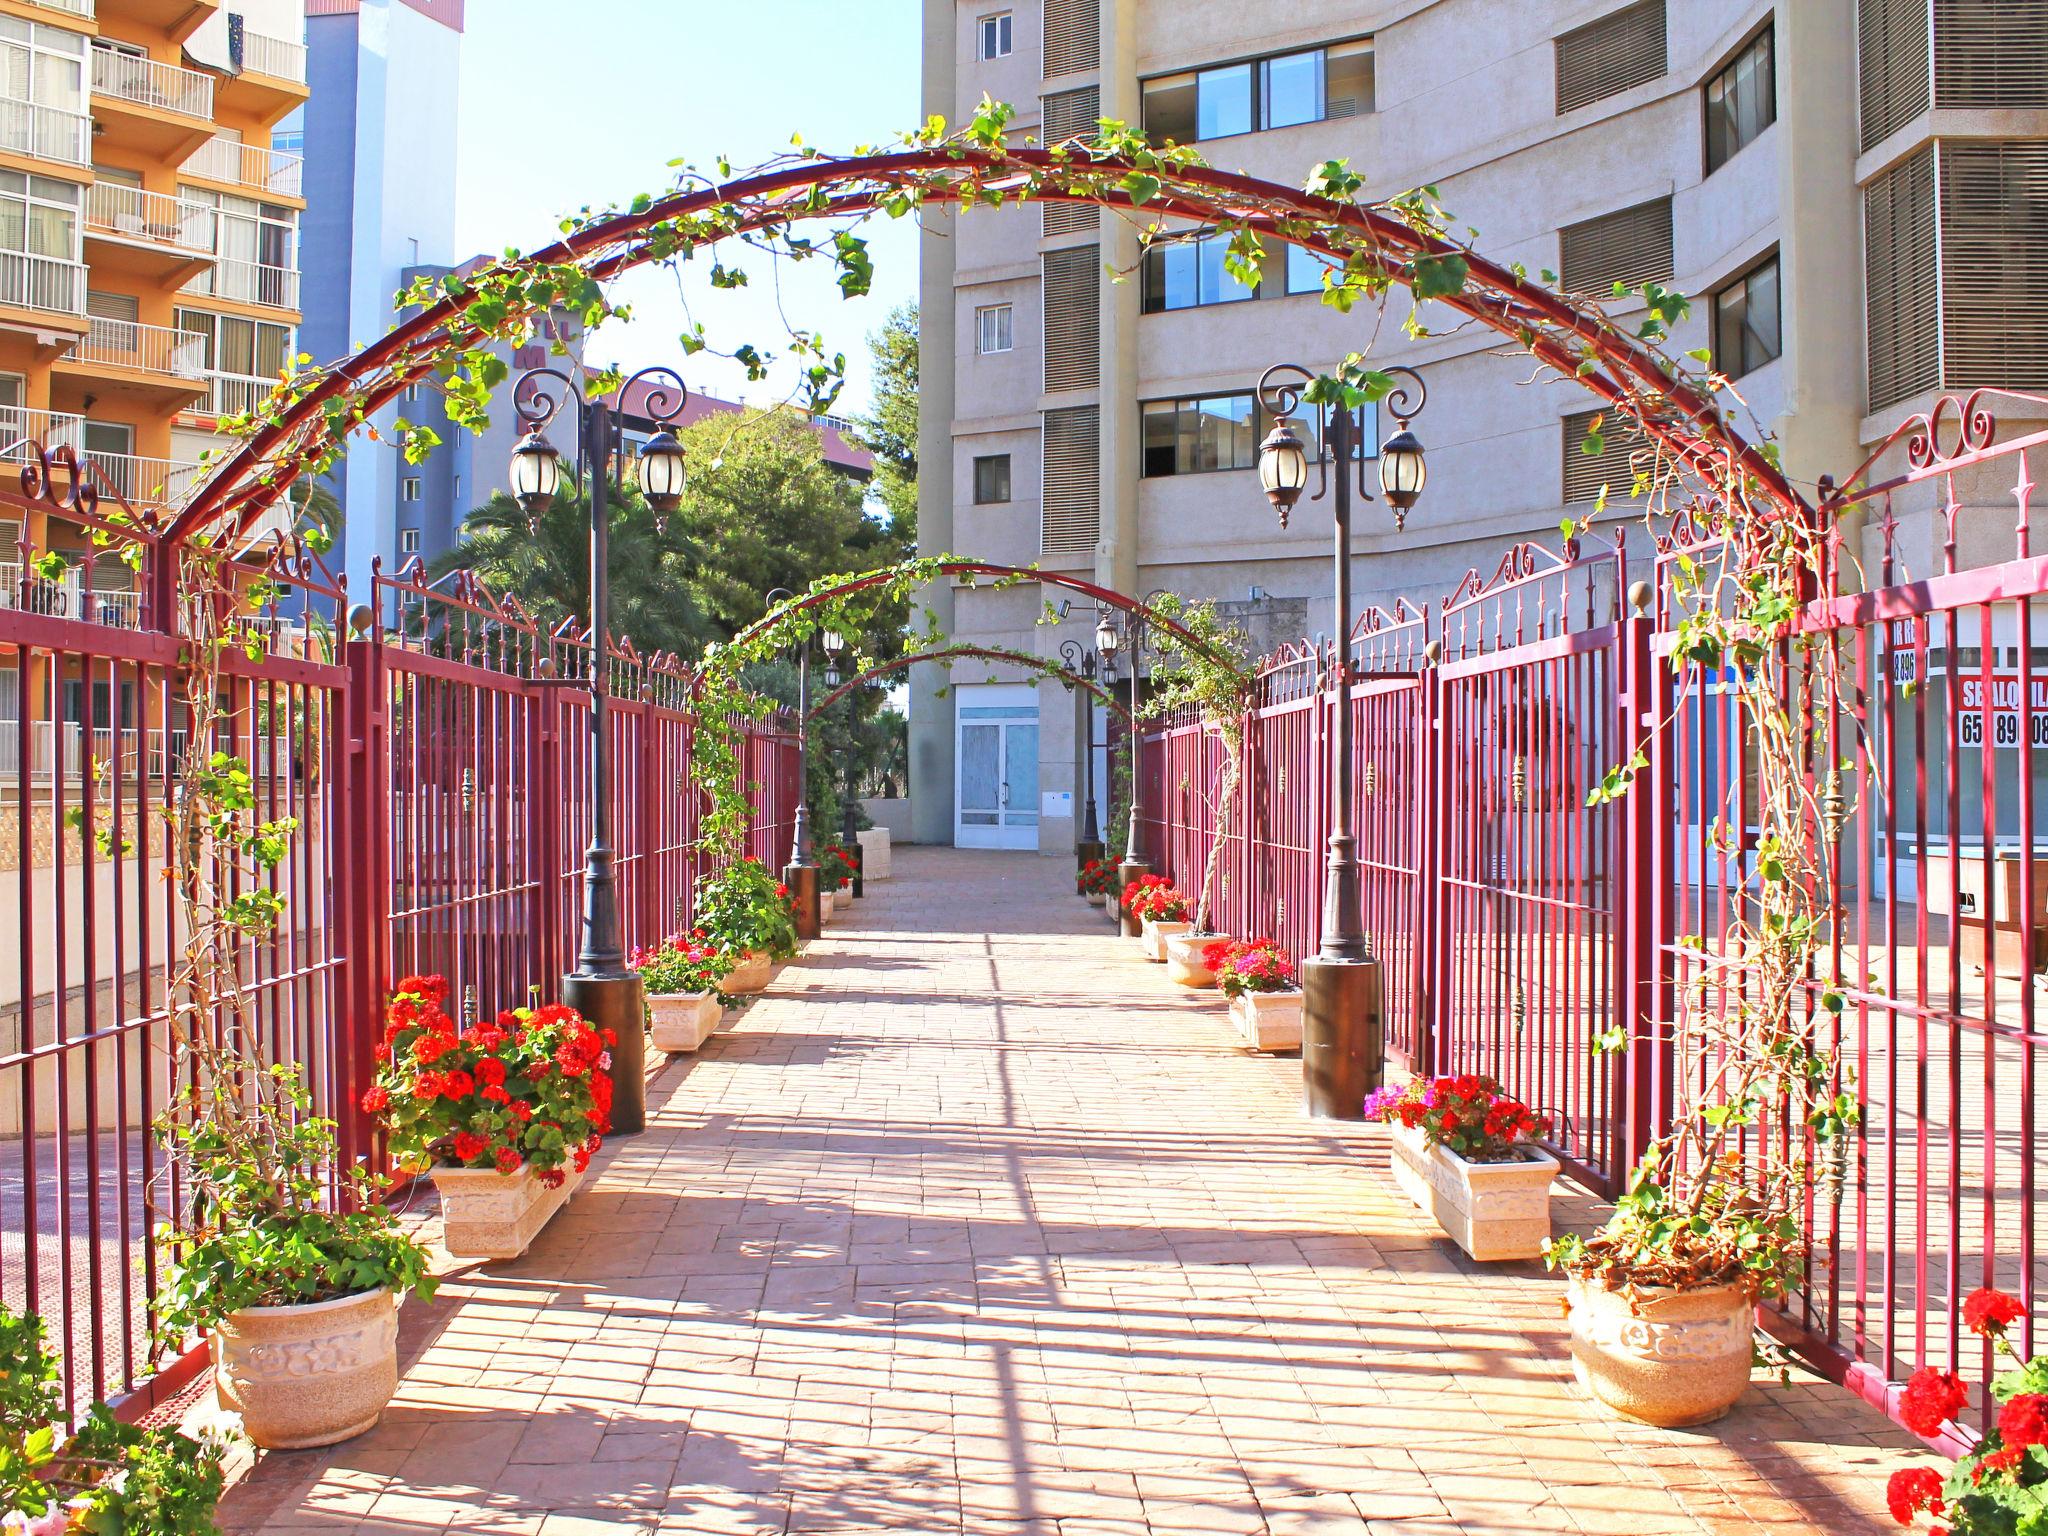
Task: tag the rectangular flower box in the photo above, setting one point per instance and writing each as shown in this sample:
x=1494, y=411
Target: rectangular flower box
x=874, y=854
x=1491, y=1210
x=752, y=975
x=1155, y=934
x=490, y=1215
x=683, y=1020
x=1268, y=1021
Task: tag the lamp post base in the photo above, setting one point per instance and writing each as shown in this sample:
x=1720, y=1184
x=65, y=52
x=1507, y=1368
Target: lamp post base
x=1343, y=1038
x=860, y=866
x=617, y=1003
x=802, y=880
x=1129, y=924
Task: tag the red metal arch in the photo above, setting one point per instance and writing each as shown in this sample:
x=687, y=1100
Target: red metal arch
x=1687, y=420
x=1040, y=664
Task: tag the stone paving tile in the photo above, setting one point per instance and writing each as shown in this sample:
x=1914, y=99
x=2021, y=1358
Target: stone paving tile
x=976, y=1226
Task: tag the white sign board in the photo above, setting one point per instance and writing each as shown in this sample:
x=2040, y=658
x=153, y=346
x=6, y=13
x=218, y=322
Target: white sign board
x=1056, y=804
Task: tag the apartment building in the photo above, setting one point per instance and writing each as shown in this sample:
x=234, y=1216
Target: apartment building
x=149, y=278
x=1855, y=195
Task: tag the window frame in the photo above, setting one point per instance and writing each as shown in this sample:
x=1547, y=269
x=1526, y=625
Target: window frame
x=1727, y=68
x=411, y=490
x=1009, y=487
x=1742, y=280
x=1006, y=328
x=408, y=541
x=1259, y=66
x=1153, y=278
x=1181, y=404
x=1003, y=24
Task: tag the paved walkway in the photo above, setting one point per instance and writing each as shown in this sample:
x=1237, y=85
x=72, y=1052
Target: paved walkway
x=976, y=1224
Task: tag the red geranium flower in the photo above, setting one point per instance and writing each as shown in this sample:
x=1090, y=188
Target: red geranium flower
x=376, y=1101
x=1996, y=1463
x=457, y=1085
x=1931, y=1399
x=2024, y=1420
x=507, y=1159
x=1911, y=1490
x=490, y=1070
x=494, y=1093
x=469, y=1146
x=781, y=889
x=1987, y=1311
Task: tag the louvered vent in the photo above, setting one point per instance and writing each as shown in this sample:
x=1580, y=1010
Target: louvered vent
x=1069, y=114
x=1071, y=218
x=1630, y=246
x=1608, y=56
x=1991, y=54
x=1902, y=293
x=1072, y=515
x=1892, y=59
x=1994, y=263
x=1072, y=292
x=1073, y=36
x=1585, y=473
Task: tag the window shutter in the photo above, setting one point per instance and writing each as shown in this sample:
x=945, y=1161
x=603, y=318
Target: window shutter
x=1892, y=65
x=1071, y=218
x=1991, y=54
x=1585, y=473
x=1630, y=246
x=1073, y=36
x=1068, y=114
x=1608, y=56
x=1073, y=280
x=1902, y=290
x=1071, y=517
x=1994, y=263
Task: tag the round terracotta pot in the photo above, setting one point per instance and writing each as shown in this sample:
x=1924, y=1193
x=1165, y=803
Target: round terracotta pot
x=308, y=1375
x=1661, y=1356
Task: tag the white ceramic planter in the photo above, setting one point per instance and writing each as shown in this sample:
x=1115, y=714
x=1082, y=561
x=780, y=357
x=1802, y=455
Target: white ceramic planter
x=1155, y=934
x=1097, y=898
x=1661, y=1356
x=490, y=1215
x=683, y=1020
x=751, y=975
x=826, y=901
x=1268, y=1021
x=1491, y=1210
x=309, y=1375
x=1184, y=959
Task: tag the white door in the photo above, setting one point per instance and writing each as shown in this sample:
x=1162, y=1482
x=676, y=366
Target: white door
x=995, y=793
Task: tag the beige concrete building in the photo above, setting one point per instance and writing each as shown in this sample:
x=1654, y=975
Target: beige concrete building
x=1854, y=194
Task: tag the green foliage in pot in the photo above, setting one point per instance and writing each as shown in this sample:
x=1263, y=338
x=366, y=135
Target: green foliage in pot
x=107, y=1478
x=745, y=909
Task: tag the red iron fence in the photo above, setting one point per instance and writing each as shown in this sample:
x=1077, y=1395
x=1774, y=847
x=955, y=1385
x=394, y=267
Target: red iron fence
x=1519, y=923
x=437, y=766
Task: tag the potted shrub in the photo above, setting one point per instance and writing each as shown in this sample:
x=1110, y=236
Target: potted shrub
x=1265, y=999
x=745, y=911
x=681, y=978
x=102, y=1475
x=1192, y=958
x=1464, y=1152
x=1996, y=1487
x=299, y=1293
x=1161, y=911
x=836, y=867
x=506, y=1114
x=1095, y=879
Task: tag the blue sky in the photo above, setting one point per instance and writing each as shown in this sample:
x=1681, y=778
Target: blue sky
x=567, y=103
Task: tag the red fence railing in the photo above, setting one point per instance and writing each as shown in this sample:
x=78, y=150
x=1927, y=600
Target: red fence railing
x=1520, y=923
x=437, y=770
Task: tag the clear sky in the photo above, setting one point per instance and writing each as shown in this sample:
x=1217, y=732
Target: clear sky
x=568, y=103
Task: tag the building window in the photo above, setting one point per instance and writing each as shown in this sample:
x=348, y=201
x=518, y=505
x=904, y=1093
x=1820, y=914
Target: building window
x=1184, y=274
x=1742, y=101
x=991, y=479
x=1606, y=57
x=996, y=36
x=409, y=488
x=408, y=541
x=1305, y=269
x=992, y=328
x=1748, y=330
x=1626, y=248
x=1192, y=437
x=1283, y=90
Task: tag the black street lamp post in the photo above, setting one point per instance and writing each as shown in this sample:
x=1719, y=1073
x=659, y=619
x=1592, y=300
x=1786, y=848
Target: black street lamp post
x=1082, y=663
x=601, y=988
x=1343, y=1039
x=801, y=873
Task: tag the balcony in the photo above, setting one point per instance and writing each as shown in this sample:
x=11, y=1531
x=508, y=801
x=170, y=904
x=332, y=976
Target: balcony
x=272, y=79
x=152, y=233
x=64, y=598
x=178, y=18
x=249, y=168
x=156, y=109
x=165, y=365
x=43, y=283
x=232, y=394
x=20, y=427
x=68, y=7
x=249, y=282
x=29, y=128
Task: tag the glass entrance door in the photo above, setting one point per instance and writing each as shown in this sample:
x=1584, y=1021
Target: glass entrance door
x=996, y=792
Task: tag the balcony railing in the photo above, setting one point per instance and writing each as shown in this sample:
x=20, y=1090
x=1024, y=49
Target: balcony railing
x=249, y=165
x=20, y=426
x=155, y=218
x=30, y=128
x=68, y=7
x=42, y=282
x=66, y=598
x=144, y=482
x=233, y=394
x=252, y=282
x=153, y=349
x=147, y=83
x=275, y=56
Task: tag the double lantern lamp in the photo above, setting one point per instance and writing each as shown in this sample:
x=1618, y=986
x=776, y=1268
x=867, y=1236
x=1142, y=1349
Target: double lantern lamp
x=537, y=475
